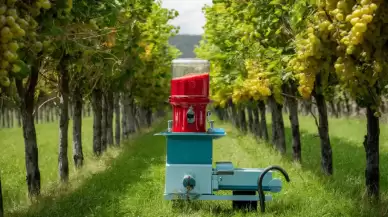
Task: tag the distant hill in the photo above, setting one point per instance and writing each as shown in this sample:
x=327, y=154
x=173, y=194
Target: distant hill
x=186, y=43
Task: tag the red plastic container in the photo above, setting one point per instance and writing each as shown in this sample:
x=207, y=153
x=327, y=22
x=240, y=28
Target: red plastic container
x=191, y=85
x=189, y=99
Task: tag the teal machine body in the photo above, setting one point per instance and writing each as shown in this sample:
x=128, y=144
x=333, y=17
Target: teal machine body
x=190, y=174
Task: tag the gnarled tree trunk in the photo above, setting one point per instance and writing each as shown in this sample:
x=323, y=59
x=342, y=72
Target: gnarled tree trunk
x=347, y=105
x=132, y=122
x=339, y=107
x=292, y=103
x=141, y=117
x=278, y=134
x=220, y=112
x=78, y=155
x=124, y=119
x=227, y=115
x=63, y=162
x=109, y=119
x=19, y=118
x=97, y=119
x=138, y=116
x=242, y=119
x=233, y=110
x=148, y=116
x=104, y=122
x=250, y=119
x=256, y=122
x=275, y=133
x=128, y=119
x=11, y=117
x=323, y=129
x=263, y=121
x=371, y=145
x=117, y=119
x=26, y=96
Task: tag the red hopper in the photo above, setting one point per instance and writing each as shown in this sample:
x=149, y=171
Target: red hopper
x=189, y=98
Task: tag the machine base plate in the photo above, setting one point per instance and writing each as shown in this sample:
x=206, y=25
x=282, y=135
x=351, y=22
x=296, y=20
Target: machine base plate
x=216, y=197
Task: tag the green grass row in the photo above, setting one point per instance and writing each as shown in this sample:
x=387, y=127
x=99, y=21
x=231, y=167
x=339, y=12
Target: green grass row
x=130, y=181
x=12, y=162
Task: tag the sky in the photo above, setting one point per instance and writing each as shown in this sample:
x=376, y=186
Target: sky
x=191, y=19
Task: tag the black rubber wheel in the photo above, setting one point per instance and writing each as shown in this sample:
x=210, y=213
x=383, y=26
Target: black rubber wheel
x=245, y=205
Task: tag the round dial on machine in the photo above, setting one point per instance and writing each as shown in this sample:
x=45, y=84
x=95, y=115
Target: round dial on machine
x=188, y=181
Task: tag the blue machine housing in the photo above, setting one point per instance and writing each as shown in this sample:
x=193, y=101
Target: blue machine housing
x=191, y=148
x=190, y=155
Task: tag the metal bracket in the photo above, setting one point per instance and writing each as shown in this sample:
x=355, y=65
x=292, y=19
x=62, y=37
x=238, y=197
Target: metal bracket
x=224, y=168
x=169, y=126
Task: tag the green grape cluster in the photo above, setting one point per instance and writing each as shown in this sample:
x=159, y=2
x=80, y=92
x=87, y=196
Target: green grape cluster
x=344, y=24
x=356, y=27
x=16, y=30
x=345, y=67
x=45, y=4
x=312, y=46
x=257, y=84
x=361, y=16
x=309, y=50
x=360, y=58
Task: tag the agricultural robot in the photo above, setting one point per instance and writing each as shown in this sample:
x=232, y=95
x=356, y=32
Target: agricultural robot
x=190, y=174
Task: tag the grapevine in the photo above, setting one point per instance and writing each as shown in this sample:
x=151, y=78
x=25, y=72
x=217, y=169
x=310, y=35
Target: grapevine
x=341, y=46
x=18, y=34
x=344, y=37
x=150, y=50
x=257, y=84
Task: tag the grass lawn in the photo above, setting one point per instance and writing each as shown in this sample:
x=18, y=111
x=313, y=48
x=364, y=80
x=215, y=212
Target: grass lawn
x=130, y=181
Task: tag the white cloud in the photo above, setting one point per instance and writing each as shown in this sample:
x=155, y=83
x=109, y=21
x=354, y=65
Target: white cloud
x=191, y=19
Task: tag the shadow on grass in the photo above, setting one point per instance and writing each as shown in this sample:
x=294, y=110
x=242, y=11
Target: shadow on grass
x=348, y=180
x=105, y=188
x=225, y=209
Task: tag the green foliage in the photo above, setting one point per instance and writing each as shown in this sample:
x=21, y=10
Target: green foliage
x=112, y=45
x=146, y=55
x=248, y=44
